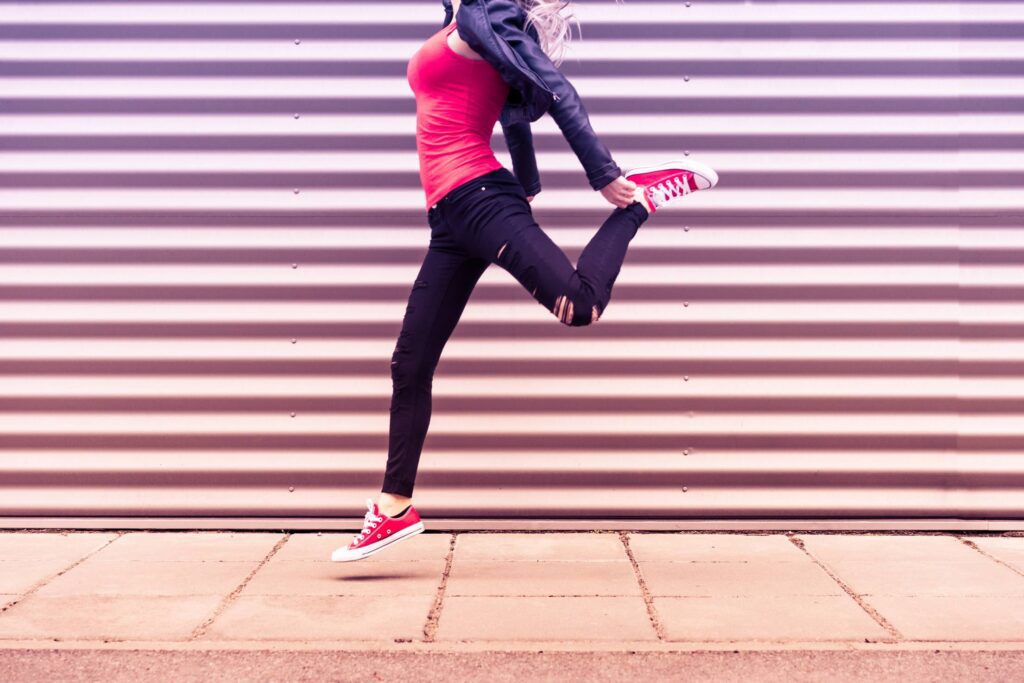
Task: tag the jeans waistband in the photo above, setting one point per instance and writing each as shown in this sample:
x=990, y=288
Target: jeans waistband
x=497, y=176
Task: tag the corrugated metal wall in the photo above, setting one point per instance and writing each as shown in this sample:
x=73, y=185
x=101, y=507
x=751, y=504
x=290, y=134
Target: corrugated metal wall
x=210, y=220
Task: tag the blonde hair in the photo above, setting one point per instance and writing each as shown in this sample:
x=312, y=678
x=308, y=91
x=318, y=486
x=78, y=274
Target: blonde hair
x=552, y=25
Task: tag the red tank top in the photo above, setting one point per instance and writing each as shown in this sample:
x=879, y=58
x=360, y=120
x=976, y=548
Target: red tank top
x=458, y=101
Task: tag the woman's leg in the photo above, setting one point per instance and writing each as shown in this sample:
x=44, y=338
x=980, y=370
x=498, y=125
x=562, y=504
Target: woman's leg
x=436, y=302
x=496, y=222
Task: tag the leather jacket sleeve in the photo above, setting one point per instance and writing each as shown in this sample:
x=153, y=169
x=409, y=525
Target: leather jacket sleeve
x=567, y=110
x=519, y=139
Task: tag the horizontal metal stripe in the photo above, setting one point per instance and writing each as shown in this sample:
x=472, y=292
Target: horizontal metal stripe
x=383, y=218
x=356, y=237
x=594, y=13
x=749, y=478
x=526, y=330
x=394, y=91
x=653, y=139
x=88, y=441
x=525, y=310
x=637, y=254
x=511, y=367
x=207, y=180
x=350, y=128
x=734, y=68
x=580, y=52
x=690, y=30
x=245, y=106
x=726, y=200
x=513, y=292
x=626, y=405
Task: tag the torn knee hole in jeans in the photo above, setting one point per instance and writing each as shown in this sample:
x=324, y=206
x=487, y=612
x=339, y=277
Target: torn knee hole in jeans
x=563, y=309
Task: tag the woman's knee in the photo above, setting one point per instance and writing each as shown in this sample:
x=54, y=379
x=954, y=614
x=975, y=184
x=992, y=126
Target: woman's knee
x=409, y=367
x=577, y=310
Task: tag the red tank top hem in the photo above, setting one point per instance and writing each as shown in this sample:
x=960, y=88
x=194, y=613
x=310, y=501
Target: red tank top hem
x=458, y=101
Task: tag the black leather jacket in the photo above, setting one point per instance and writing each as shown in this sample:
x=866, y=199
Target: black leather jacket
x=495, y=29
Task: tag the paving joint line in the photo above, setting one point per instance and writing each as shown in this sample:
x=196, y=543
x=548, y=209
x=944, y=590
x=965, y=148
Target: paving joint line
x=871, y=611
x=434, y=615
x=971, y=544
x=652, y=612
x=39, y=584
x=200, y=630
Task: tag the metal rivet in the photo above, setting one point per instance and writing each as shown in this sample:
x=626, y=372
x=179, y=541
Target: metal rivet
x=686, y=78
x=293, y=414
x=482, y=187
x=291, y=488
x=684, y=489
x=686, y=153
x=686, y=451
x=686, y=378
x=686, y=228
x=295, y=116
x=295, y=191
x=686, y=303
x=294, y=340
x=295, y=265
x=296, y=41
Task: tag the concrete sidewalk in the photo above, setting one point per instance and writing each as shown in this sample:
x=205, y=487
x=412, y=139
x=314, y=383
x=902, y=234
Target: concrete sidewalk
x=612, y=591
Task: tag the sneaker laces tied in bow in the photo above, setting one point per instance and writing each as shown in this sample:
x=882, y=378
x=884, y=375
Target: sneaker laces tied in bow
x=370, y=522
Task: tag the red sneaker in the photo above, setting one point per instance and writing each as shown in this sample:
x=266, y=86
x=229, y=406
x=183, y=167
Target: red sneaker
x=658, y=185
x=379, y=531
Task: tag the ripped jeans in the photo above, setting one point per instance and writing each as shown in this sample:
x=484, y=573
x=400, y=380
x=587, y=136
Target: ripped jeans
x=488, y=220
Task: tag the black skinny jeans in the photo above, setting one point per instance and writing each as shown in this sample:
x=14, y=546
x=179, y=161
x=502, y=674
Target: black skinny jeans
x=488, y=220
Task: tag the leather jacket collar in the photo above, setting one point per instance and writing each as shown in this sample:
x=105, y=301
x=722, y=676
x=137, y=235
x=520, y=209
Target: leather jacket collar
x=496, y=30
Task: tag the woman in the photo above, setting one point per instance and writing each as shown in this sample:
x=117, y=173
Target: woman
x=465, y=78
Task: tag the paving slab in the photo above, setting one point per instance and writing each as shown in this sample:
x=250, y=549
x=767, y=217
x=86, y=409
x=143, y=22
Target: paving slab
x=953, y=618
x=205, y=546
x=95, y=577
x=479, y=618
x=979, y=576
x=890, y=547
x=713, y=579
x=326, y=617
x=56, y=547
x=295, y=577
x=92, y=617
x=19, y=576
x=474, y=577
x=685, y=547
x=318, y=547
x=579, y=547
x=1009, y=549
x=751, y=617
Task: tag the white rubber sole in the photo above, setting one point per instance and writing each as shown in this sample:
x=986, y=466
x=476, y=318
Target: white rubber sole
x=699, y=168
x=346, y=555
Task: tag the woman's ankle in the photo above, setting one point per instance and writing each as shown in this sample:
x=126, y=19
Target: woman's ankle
x=391, y=503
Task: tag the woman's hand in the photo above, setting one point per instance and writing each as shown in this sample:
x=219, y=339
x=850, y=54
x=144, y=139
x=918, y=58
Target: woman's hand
x=619, y=192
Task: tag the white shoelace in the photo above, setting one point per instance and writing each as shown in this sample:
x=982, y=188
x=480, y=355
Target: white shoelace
x=370, y=522
x=670, y=189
